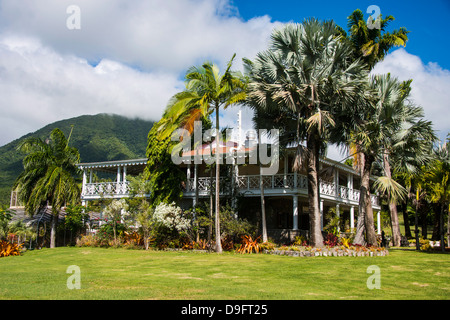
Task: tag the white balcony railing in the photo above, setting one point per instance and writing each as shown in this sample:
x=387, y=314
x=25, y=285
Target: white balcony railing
x=106, y=189
x=281, y=181
x=247, y=182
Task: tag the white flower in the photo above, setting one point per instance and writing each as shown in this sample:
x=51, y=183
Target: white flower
x=171, y=216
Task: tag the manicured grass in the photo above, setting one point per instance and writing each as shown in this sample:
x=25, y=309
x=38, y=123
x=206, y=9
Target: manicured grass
x=137, y=274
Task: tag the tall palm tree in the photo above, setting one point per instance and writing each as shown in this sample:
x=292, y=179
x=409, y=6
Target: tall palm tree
x=207, y=90
x=281, y=120
x=438, y=177
x=371, y=45
x=307, y=71
x=50, y=176
x=406, y=150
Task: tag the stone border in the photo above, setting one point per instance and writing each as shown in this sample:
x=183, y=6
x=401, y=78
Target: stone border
x=329, y=252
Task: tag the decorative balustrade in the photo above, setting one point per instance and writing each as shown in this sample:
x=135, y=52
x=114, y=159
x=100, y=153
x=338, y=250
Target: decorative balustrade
x=106, y=189
x=281, y=181
x=247, y=182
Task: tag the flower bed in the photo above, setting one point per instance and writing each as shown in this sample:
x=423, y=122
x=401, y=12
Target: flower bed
x=338, y=251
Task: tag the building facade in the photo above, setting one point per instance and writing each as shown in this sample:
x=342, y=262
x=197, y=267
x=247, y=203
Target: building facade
x=285, y=192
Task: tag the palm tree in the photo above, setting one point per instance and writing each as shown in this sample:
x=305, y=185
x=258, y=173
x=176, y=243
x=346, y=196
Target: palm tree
x=408, y=139
x=307, y=72
x=282, y=120
x=438, y=177
x=207, y=90
x=372, y=44
x=50, y=176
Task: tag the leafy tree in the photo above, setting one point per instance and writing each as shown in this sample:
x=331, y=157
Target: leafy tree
x=5, y=218
x=50, y=176
x=75, y=219
x=307, y=72
x=371, y=45
x=207, y=90
x=114, y=212
x=437, y=176
x=146, y=222
x=165, y=178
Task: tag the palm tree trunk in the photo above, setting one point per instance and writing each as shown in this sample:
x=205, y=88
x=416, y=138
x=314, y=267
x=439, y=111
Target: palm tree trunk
x=441, y=227
x=406, y=218
x=218, y=238
x=263, y=202
x=365, y=212
x=263, y=208
x=416, y=221
x=53, y=230
x=396, y=234
x=316, y=238
x=448, y=224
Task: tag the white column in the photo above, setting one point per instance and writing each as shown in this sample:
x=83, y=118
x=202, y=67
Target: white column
x=194, y=203
x=336, y=182
x=378, y=222
x=349, y=180
x=350, y=186
x=295, y=212
x=338, y=214
x=83, y=189
x=188, y=176
x=118, y=181
x=124, y=173
x=321, y=214
x=90, y=175
x=295, y=179
x=285, y=171
x=352, y=218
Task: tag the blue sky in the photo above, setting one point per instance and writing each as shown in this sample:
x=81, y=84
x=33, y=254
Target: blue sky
x=427, y=21
x=129, y=57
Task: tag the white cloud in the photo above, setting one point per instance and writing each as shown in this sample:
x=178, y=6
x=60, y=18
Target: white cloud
x=39, y=86
x=127, y=58
x=430, y=85
x=153, y=35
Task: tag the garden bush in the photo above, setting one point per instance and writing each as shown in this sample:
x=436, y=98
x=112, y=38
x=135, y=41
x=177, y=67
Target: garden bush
x=9, y=249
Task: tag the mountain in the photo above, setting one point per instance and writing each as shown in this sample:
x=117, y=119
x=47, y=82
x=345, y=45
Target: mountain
x=101, y=137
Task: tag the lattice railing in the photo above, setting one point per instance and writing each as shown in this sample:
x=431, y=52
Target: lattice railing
x=247, y=182
x=106, y=189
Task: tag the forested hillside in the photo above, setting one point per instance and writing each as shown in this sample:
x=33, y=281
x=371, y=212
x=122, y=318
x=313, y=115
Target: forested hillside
x=101, y=137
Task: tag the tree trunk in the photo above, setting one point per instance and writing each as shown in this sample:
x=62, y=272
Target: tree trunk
x=441, y=228
x=365, y=212
x=406, y=219
x=360, y=224
x=316, y=238
x=263, y=207
x=396, y=234
x=437, y=208
x=53, y=229
x=211, y=207
x=263, y=202
x=218, y=238
x=423, y=221
x=448, y=224
x=416, y=221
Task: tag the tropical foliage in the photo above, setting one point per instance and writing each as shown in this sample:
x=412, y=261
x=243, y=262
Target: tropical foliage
x=102, y=137
x=307, y=74
x=313, y=84
x=207, y=90
x=50, y=175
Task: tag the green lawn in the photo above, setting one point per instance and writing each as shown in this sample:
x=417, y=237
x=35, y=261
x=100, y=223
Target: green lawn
x=137, y=274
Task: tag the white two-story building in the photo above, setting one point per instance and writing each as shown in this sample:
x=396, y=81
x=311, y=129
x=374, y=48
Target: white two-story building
x=285, y=192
